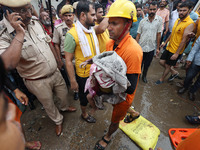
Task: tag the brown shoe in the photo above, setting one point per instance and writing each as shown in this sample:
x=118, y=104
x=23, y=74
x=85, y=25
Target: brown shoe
x=58, y=129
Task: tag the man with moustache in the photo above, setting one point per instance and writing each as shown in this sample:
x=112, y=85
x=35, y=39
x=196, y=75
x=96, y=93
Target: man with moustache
x=59, y=33
x=101, y=27
x=164, y=13
x=148, y=36
x=82, y=44
x=45, y=20
x=60, y=30
x=135, y=25
x=177, y=41
x=37, y=65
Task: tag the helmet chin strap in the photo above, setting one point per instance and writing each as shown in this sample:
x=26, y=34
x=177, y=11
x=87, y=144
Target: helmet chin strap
x=125, y=29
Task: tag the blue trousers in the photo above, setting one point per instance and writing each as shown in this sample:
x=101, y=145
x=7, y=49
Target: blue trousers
x=191, y=73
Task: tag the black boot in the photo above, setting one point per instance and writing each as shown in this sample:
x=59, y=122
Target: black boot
x=144, y=74
x=76, y=97
x=182, y=90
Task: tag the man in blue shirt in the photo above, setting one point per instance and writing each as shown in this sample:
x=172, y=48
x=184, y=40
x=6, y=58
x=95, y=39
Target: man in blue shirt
x=193, y=63
x=140, y=16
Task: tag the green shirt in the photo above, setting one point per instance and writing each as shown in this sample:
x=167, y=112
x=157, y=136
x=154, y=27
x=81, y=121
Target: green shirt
x=70, y=43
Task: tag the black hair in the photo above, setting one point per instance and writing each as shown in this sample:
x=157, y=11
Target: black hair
x=83, y=6
x=187, y=4
x=167, y=1
x=136, y=3
x=145, y=5
x=153, y=3
x=138, y=6
x=97, y=6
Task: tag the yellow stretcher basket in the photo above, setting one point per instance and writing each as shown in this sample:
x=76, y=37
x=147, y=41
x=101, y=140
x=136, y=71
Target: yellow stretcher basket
x=142, y=132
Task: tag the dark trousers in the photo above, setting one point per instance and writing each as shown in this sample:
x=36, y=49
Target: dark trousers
x=191, y=73
x=147, y=59
x=82, y=95
x=63, y=71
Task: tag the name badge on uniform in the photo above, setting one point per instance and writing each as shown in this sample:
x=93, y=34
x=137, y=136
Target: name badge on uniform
x=64, y=31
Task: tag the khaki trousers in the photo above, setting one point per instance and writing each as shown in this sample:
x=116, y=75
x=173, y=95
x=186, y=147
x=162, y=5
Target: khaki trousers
x=44, y=89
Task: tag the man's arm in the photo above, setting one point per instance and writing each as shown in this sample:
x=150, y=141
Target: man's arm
x=196, y=26
x=19, y=94
x=70, y=70
x=166, y=27
x=167, y=23
x=158, y=38
x=138, y=37
x=57, y=49
x=102, y=26
x=59, y=59
x=11, y=55
x=59, y=63
x=69, y=48
x=133, y=79
x=185, y=39
x=162, y=45
x=192, y=53
x=143, y=14
x=56, y=40
x=139, y=31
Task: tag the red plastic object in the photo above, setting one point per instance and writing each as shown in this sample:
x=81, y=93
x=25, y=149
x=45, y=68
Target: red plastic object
x=179, y=134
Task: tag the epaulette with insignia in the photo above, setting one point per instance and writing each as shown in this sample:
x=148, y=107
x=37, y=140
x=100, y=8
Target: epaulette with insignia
x=2, y=28
x=59, y=25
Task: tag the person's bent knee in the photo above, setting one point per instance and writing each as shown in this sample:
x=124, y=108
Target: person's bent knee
x=167, y=66
x=162, y=62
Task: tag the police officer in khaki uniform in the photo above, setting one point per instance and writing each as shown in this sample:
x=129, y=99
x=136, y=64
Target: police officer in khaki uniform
x=37, y=65
x=60, y=31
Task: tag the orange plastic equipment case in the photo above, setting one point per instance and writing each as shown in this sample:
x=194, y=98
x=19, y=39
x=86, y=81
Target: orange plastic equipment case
x=179, y=134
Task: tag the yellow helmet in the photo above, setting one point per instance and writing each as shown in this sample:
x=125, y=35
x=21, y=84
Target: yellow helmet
x=124, y=9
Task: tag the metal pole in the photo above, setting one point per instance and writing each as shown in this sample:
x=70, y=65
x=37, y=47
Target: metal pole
x=197, y=6
x=50, y=14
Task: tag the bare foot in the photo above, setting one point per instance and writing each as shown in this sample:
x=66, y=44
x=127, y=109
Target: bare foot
x=33, y=145
x=134, y=114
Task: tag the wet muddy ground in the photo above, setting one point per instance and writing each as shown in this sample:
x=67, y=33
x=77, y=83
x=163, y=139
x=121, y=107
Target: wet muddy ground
x=160, y=104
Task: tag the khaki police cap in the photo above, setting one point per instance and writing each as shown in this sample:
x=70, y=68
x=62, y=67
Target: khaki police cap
x=14, y=3
x=75, y=5
x=67, y=9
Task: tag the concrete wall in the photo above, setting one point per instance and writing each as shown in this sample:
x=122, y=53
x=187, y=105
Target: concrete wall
x=53, y=2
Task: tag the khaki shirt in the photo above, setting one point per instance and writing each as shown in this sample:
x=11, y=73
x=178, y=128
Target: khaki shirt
x=59, y=35
x=37, y=59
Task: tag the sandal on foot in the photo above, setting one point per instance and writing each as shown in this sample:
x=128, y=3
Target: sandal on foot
x=129, y=118
x=98, y=146
x=89, y=119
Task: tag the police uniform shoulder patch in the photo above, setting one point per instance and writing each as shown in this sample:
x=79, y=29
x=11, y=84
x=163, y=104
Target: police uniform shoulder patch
x=2, y=31
x=59, y=25
x=2, y=28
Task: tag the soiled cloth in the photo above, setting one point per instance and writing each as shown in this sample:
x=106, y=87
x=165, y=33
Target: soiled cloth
x=107, y=72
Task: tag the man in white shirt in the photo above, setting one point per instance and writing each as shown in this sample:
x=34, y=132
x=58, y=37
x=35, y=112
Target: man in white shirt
x=148, y=34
